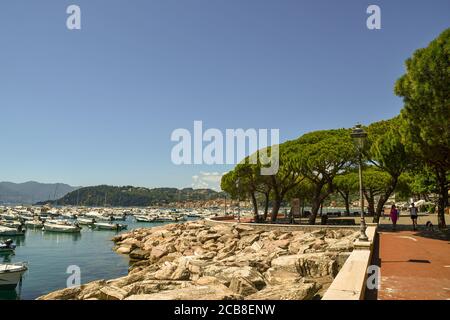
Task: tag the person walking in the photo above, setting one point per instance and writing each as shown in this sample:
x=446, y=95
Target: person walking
x=414, y=215
x=394, y=216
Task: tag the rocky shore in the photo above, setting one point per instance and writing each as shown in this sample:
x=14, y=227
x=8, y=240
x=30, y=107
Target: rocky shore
x=196, y=261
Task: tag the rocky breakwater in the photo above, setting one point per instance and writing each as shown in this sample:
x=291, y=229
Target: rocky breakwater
x=196, y=261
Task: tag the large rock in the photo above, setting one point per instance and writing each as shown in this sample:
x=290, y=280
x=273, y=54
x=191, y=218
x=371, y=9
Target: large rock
x=287, y=263
x=112, y=293
x=212, y=292
x=242, y=286
x=158, y=252
x=280, y=276
x=226, y=274
x=298, y=291
x=316, y=265
x=139, y=254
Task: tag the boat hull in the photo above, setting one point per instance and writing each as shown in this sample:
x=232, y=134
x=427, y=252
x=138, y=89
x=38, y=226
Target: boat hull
x=100, y=226
x=10, y=279
x=61, y=228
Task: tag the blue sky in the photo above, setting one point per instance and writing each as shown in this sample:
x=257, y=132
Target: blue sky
x=98, y=105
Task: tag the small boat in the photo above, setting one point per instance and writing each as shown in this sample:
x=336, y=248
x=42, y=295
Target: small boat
x=11, y=274
x=164, y=219
x=109, y=226
x=144, y=218
x=9, y=216
x=104, y=218
x=69, y=215
x=38, y=224
x=58, y=227
x=7, y=246
x=5, y=231
x=11, y=223
x=85, y=221
x=119, y=217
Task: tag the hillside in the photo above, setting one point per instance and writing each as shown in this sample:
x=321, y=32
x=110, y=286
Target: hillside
x=31, y=192
x=125, y=196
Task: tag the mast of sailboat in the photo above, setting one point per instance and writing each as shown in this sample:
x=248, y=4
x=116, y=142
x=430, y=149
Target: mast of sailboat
x=54, y=196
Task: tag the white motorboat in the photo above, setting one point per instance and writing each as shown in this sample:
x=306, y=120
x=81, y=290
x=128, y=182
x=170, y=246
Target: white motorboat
x=109, y=226
x=163, y=218
x=144, y=218
x=7, y=246
x=57, y=227
x=11, y=223
x=86, y=221
x=9, y=216
x=38, y=224
x=11, y=274
x=5, y=231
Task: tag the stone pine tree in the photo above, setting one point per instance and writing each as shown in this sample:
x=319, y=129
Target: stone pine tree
x=319, y=156
x=425, y=88
x=387, y=152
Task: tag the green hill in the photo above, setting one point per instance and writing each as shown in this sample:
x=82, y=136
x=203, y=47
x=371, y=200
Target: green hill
x=126, y=196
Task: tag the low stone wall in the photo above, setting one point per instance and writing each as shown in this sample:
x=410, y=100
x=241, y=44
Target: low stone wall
x=280, y=227
x=350, y=282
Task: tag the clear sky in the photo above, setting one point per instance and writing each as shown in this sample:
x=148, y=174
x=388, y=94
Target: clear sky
x=98, y=105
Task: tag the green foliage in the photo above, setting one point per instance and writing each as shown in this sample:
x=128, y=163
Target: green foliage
x=425, y=89
x=425, y=129
x=133, y=196
x=347, y=182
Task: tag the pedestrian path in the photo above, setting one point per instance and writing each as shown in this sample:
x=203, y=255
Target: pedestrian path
x=415, y=265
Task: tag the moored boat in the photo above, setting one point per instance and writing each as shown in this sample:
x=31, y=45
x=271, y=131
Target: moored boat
x=57, y=227
x=7, y=246
x=11, y=274
x=109, y=226
x=6, y=231
x=144, y=218
x=85, y=221
x=11, y=223
x=37, y=224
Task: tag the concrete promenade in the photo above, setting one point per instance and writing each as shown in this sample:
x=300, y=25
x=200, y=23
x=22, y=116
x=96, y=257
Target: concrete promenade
x=415, y=265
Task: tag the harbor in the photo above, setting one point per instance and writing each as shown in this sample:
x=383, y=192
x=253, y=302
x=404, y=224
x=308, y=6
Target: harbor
x=41, y=243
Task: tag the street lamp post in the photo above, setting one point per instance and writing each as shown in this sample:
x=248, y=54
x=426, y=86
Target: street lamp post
x=359, y=137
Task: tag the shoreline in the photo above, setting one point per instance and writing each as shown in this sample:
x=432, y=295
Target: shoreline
x=197, y=261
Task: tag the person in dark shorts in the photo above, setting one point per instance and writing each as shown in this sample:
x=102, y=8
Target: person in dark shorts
x=413, y=213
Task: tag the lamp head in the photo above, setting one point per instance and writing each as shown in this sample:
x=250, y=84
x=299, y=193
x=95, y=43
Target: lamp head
x=359, y=136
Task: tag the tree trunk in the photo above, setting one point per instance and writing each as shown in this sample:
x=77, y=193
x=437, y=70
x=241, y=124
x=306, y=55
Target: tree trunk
x=370, y=203
x=443, y=197
x=255, y=207
x=266, y=205
x=314, y=210
x=316, y=203
x=346, y=197
x=275, y=208
x=383, y=199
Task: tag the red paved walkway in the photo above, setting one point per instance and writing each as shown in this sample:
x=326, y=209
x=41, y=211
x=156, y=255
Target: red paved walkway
x=414, y=266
